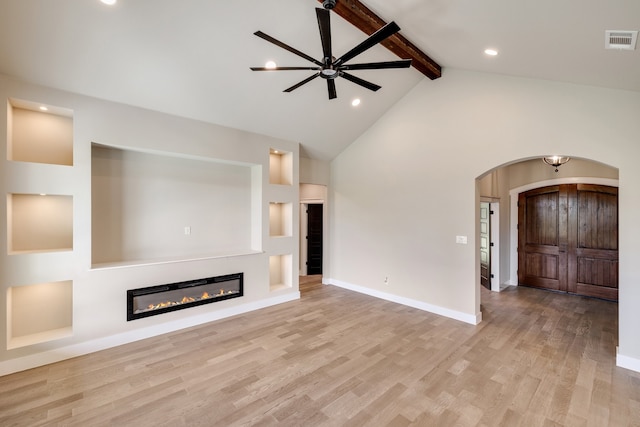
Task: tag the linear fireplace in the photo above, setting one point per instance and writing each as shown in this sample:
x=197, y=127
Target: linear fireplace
x=144, y=302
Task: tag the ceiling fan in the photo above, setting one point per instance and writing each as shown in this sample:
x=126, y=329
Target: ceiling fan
x=330, y=68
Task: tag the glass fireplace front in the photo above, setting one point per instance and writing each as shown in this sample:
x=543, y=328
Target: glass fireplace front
x=144, y=302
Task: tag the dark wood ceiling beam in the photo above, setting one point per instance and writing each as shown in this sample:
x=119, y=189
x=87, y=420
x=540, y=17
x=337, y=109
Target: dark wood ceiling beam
x=360, y=16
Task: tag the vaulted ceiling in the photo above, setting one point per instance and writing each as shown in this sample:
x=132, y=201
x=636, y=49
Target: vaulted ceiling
x=191, y=58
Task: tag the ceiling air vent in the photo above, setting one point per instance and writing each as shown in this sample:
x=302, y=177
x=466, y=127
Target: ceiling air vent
x=625, y=40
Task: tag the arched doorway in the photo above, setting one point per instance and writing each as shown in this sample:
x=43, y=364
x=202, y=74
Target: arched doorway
x=504, y=183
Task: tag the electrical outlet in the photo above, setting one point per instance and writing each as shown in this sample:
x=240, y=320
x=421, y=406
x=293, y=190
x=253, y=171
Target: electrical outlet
x=386, y=280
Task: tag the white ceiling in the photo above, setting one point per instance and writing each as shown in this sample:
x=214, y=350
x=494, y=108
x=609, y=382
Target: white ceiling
x=191, y=58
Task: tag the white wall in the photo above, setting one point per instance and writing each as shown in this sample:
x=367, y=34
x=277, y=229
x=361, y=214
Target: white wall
x=99, y=293
x=405, y=189
x=314, y=171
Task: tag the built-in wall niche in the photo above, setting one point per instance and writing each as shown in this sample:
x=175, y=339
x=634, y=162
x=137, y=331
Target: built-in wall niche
x=149, y=207
x=280, y=167
x=280, y=272
x=39, y=223
x=39, y=313
x=39, y=133
x=280, y=219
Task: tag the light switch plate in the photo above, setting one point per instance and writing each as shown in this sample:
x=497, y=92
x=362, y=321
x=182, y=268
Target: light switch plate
x=461, y=240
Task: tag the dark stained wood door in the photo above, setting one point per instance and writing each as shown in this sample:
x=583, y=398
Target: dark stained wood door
x=542, y=238
x=314, y=238
x=593, y=260
x=568, y=239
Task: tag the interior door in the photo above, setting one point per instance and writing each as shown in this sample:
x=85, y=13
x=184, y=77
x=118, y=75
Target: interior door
x=594, y=256
x=568, y=239
x=542, y=238
x=485, y=245
x=314, y=238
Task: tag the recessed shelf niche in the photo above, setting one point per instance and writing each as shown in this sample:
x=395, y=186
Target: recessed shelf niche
x=280, y=272
x=39, y=313
x=280, y=219
x=39, y=223
x=39, y=136
x=280, y=167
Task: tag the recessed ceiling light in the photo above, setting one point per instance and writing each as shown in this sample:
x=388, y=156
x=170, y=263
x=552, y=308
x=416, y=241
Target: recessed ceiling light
x=355, y=102
x=491, y=52
x=43, y=108
x=109, y=2
x=270, y=65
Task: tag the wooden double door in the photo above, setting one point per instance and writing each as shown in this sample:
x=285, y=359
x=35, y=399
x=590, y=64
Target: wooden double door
x=568, y=239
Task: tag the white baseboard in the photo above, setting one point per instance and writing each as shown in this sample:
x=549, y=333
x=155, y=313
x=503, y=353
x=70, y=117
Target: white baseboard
x=442, y=311
x=627, y=362
x=80, y=349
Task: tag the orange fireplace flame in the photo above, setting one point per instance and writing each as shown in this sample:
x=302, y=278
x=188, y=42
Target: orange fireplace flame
x=187, y=299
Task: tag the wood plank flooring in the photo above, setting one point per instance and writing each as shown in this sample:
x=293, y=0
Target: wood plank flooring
x=338, y=358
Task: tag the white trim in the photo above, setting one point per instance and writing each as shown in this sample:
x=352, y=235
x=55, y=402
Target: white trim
x=627, y=362
x=513, y=203
x=494, y=230
x=442, y=311
x=56, y=355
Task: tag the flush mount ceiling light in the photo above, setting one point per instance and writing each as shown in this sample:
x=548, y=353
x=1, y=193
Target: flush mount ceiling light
x=491, y=52
x=109, y=2
x=556, y=161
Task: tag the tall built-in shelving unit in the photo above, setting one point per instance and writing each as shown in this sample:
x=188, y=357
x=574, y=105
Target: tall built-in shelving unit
x=39, y=223
x=281, y=221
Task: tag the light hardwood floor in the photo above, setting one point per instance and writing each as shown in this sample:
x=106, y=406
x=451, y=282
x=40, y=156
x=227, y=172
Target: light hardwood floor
x=338, y=358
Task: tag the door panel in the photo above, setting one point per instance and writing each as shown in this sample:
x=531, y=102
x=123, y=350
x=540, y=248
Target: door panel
x=314, y=238
x=596, y=251
x=568, y=239
x=485, y=245
x=542, y=254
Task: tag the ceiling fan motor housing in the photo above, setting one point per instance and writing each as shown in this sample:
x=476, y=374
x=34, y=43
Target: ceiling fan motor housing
x=329, y=4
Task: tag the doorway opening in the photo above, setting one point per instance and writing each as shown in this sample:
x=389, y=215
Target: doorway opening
x=312, y=228
x=504, y=183
x=490, y=245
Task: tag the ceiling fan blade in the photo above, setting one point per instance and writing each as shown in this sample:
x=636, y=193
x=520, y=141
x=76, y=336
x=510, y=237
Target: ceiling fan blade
x=283, y=68
x=331, y=86
x=286, y=47
x=324, y=25
x=305, y=81
x=375, y=38
x=403, y=63
x=361, y=82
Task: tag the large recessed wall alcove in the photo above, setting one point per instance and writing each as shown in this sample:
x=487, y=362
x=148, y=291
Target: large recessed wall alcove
x=148, y=207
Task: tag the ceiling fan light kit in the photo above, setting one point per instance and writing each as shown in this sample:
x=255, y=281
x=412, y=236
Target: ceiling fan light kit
x=329, y=4
x=330, y=67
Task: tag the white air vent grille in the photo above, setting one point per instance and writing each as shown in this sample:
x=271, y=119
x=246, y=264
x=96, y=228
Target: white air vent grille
x=620, y=39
